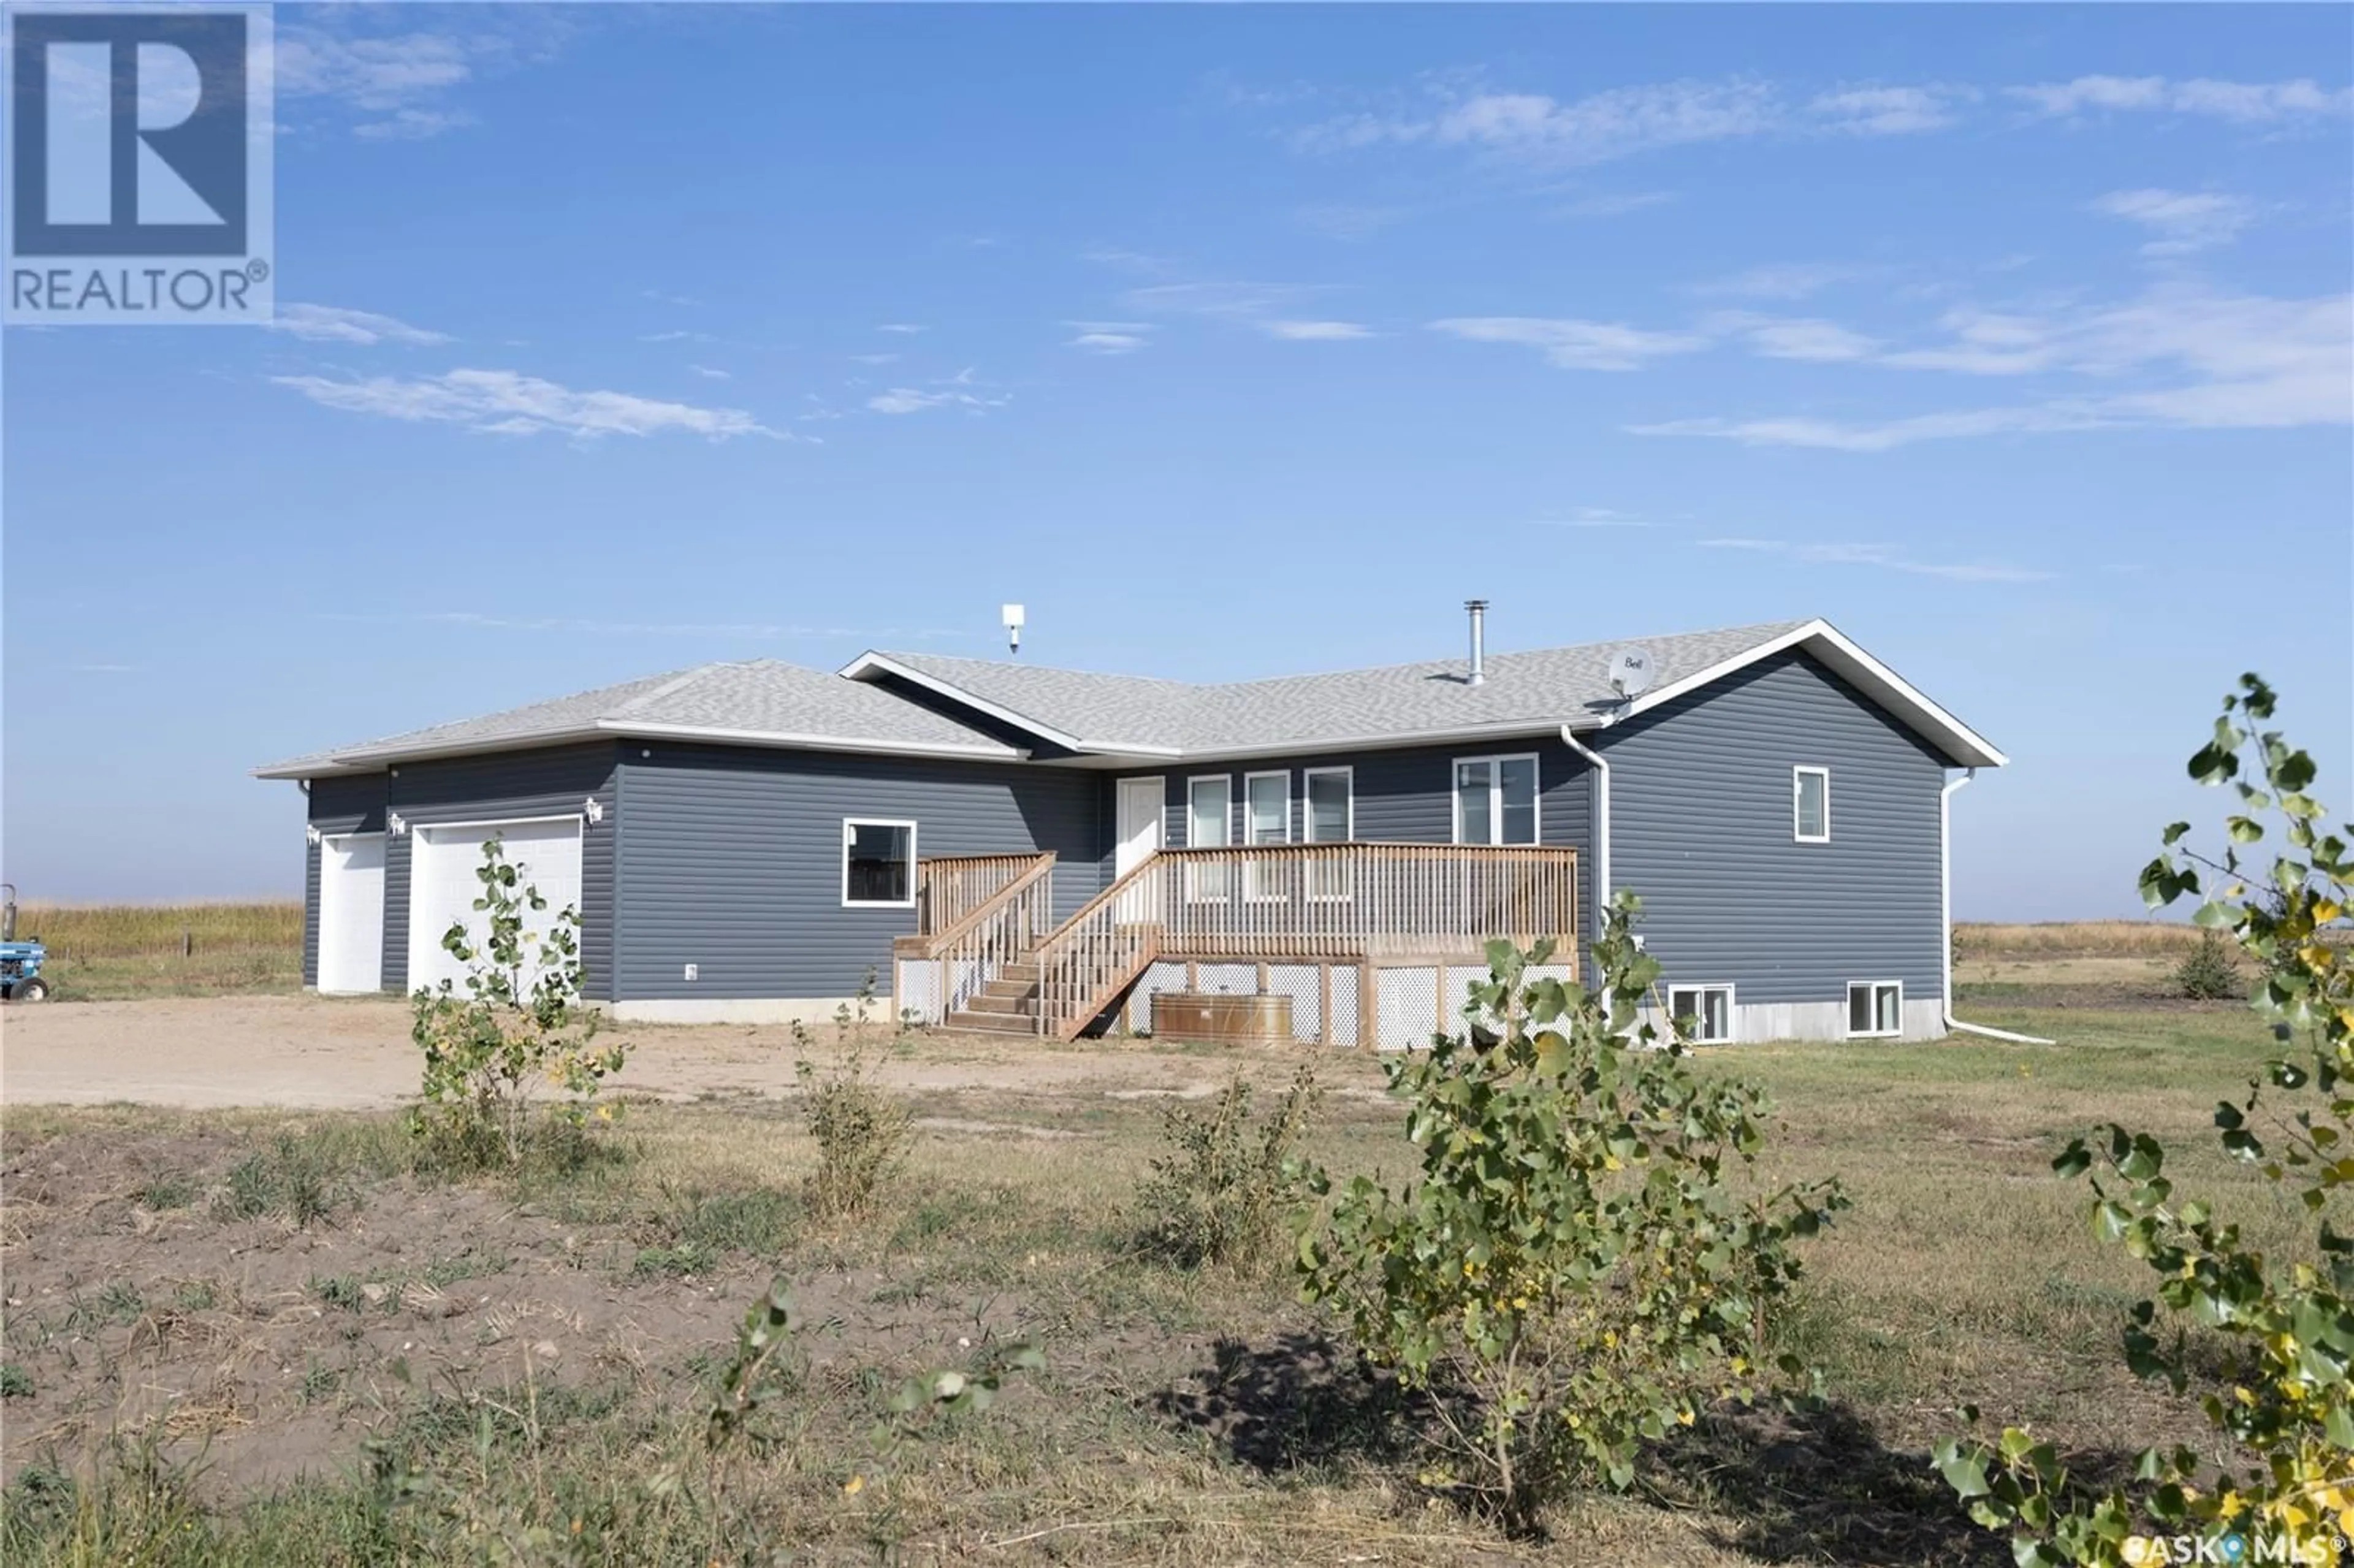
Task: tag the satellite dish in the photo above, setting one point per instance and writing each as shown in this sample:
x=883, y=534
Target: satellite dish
x=1630, y=670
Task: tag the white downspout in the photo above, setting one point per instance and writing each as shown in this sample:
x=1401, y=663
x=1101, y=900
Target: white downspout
x=1945, y=920
x=1601, y=766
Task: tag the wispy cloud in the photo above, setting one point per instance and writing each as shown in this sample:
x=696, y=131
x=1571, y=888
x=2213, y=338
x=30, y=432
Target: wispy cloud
x=2181, y=222
x=663, y=297
x=1613, y=204
x=2243, y=103
x=399, y=84
x=1316, y=332
x=503, y=402
x=1889, y=111
x=915, y=400
x=1784, y=337
x=1127, y=260
x=1573, y=344
x=1593, y=517
x=710, y=373
x=1214, y=298
x=2177, y=356
x=1887, y=557
x=1108, y=338
x=1789, y=281
x=332, y=324
x=904, y=329
x=1832, y=435
x=677, y=336
x=1615, y=124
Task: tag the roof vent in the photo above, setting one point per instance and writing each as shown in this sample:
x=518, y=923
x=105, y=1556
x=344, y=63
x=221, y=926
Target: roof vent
x=1478, y=608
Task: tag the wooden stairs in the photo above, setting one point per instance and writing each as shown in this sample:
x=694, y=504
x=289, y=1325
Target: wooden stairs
x=1008, y=1005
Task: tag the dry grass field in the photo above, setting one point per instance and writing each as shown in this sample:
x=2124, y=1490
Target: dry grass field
x=109, y=952
x=265, y=1338
x=117, y=952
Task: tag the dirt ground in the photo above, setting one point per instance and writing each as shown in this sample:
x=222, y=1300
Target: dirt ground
x=343, y=1053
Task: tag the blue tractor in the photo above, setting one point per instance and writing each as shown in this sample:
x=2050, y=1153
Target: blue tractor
x=20, y=962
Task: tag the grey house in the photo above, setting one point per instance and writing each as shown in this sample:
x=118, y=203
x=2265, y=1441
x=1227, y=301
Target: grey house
x=1047, y=851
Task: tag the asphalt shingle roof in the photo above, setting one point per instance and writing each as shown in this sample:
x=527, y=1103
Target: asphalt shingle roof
x=763, y=702
x=1545, y=687
x=761, y=698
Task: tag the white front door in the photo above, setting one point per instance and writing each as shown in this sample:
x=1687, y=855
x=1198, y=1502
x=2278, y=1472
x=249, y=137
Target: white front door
x=351, y=913
x=442, y=888
x=1141, y=821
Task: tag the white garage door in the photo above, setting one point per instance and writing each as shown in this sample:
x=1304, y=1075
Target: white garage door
x=351, y=913
x=442, y=888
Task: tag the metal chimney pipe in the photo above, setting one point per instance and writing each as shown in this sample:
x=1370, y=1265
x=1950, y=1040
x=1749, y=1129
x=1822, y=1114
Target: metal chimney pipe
x=1478, y=608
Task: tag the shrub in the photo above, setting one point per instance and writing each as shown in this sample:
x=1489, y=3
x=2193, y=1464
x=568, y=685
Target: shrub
x=863, y=1130
x=2209, y=972
x=519, y=1020
x=1221, y=1192
x=1575, y=1257
x=2283, y=1401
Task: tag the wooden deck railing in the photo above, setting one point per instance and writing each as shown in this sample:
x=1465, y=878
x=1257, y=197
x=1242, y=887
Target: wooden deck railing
x=950, y=888
x=1302, y=902
x=1002, y=928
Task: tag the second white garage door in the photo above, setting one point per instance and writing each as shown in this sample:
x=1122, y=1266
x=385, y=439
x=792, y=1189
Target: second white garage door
x=442, y=886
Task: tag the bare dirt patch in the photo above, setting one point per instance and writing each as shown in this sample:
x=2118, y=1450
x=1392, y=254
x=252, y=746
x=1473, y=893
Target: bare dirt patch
x=354, y=1054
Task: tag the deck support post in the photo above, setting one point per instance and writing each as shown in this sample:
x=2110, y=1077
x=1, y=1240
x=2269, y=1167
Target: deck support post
x=1369, y=1005
x=1324, y=1004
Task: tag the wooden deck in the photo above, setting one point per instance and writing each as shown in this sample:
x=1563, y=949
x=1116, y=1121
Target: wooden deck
x=1004, y=964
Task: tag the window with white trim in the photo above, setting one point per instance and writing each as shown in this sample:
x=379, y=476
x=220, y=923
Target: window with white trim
x=1209, y=824
x=1329, y=816
x=878, y=863
x=1267, y=820
x=1810, y=805
x=1702, y=1013
x=1496, y=800
x=1875, y=1008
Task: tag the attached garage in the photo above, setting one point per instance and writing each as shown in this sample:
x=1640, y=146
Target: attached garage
x=351, y=913
x=442, y=885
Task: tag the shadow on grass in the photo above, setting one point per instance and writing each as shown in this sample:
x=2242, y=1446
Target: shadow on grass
x=1817, y=1486
x=1300, y=1403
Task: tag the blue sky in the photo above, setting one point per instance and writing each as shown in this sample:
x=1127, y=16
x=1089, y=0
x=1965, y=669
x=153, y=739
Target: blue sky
x=1234, y=342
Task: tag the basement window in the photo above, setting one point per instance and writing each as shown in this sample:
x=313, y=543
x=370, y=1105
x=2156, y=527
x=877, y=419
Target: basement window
x=1875, y=1008
x=878, y=864
x=1702, y=1013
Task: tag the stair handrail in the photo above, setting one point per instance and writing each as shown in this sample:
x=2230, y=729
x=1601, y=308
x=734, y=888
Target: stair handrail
x=1041, y=869
x=1086, y=960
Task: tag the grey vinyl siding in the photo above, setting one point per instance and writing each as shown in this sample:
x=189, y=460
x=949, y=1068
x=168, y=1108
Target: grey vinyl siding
x=1702, y=830
x=550, y=783
x=731, y=859
x=352, y=805
x=1407, y=795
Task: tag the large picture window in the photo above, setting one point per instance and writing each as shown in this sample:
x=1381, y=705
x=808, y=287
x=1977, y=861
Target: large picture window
x=1496, y=800
x=878, y=863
